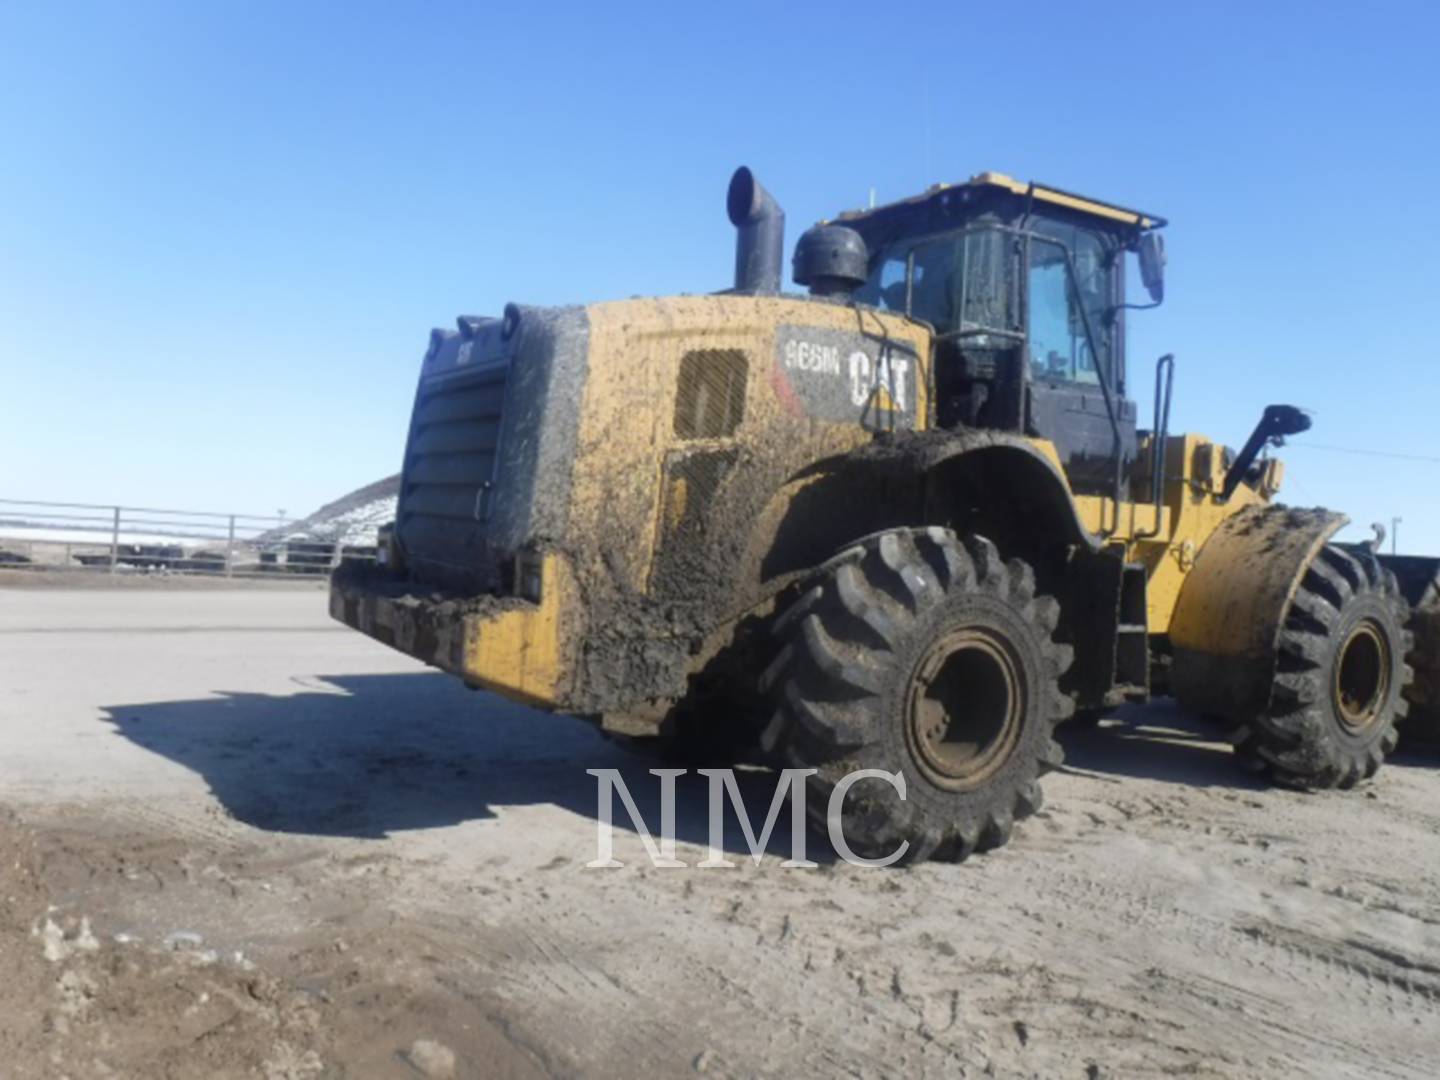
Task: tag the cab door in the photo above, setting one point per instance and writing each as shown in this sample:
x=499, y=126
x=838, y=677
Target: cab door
x=1072, y=341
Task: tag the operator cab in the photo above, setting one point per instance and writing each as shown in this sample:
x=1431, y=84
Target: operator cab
x=1025, y=288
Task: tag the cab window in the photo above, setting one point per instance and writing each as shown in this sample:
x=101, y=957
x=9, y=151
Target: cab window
x=968, y=270
x=961, y=282
x=933, y=283
x=886, y=287
x=1060, y=304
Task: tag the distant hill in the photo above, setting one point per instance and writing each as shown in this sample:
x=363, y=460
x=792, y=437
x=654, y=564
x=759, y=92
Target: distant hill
x=350, y=519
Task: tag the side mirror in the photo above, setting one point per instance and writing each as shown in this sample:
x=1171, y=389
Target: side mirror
x=1151, y=251
x=1283, y=420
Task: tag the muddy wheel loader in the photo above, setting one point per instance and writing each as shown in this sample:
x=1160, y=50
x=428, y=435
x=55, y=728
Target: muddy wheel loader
x=904, y=522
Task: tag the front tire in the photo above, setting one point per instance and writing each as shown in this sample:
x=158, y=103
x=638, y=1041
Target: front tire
x=1340, y=678
x=919, y=653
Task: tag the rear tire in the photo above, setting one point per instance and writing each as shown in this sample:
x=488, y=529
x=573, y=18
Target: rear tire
x=1340, y=678
x=915, y=652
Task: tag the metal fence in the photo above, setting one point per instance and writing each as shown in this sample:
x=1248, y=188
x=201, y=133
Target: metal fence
x=132, y=539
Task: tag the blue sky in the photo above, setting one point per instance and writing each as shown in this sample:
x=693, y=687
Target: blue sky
x=226, y=228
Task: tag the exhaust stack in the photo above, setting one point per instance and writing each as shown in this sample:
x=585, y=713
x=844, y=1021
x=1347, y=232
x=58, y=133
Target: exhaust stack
x=760, y=234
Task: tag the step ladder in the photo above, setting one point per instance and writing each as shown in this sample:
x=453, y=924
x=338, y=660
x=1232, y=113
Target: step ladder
x=1132, y=636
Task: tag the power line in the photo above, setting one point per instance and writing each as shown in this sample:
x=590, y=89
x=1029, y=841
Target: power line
x=1361, y=452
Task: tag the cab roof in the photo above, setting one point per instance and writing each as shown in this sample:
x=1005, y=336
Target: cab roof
x=995, y=182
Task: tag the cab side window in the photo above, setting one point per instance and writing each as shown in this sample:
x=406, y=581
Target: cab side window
x=1061, y=304
x=886, y=287
x=933, y=283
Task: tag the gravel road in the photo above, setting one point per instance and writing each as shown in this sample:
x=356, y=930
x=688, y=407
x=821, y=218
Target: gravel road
x=240, y=840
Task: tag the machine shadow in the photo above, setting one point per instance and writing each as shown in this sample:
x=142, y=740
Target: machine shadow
x=1157, y=741
x=367, y=755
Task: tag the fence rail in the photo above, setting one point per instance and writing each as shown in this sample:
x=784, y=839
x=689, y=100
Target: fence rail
x=120, y=539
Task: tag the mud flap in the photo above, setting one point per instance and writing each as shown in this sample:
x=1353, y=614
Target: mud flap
x=1233, y=604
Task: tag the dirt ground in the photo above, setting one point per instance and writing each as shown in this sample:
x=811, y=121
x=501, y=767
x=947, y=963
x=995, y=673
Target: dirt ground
x=240, y=840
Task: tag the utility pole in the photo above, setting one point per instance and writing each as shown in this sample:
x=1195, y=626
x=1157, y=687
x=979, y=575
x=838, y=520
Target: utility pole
x=1395, y=534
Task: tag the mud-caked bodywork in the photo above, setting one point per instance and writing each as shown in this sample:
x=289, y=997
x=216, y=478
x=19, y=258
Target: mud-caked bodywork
x=624, y=474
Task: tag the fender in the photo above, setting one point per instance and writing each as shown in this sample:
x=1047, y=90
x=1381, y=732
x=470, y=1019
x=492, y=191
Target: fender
x=1025, y=476
x=1233, y=603
x=1002, y=486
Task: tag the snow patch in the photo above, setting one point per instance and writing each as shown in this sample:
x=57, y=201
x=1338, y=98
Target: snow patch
x=350, y=520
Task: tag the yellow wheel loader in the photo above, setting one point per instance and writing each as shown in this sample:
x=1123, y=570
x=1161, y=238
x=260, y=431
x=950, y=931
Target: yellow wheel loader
x=905, y=522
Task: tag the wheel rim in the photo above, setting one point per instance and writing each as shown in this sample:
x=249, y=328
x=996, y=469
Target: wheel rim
x=964, y=708
x=1362, y=676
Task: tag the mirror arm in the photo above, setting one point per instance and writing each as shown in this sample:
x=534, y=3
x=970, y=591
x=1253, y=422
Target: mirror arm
x=1277, y=422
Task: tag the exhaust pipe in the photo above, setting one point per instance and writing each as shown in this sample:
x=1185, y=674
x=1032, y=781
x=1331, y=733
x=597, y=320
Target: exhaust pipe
x=760, y=234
